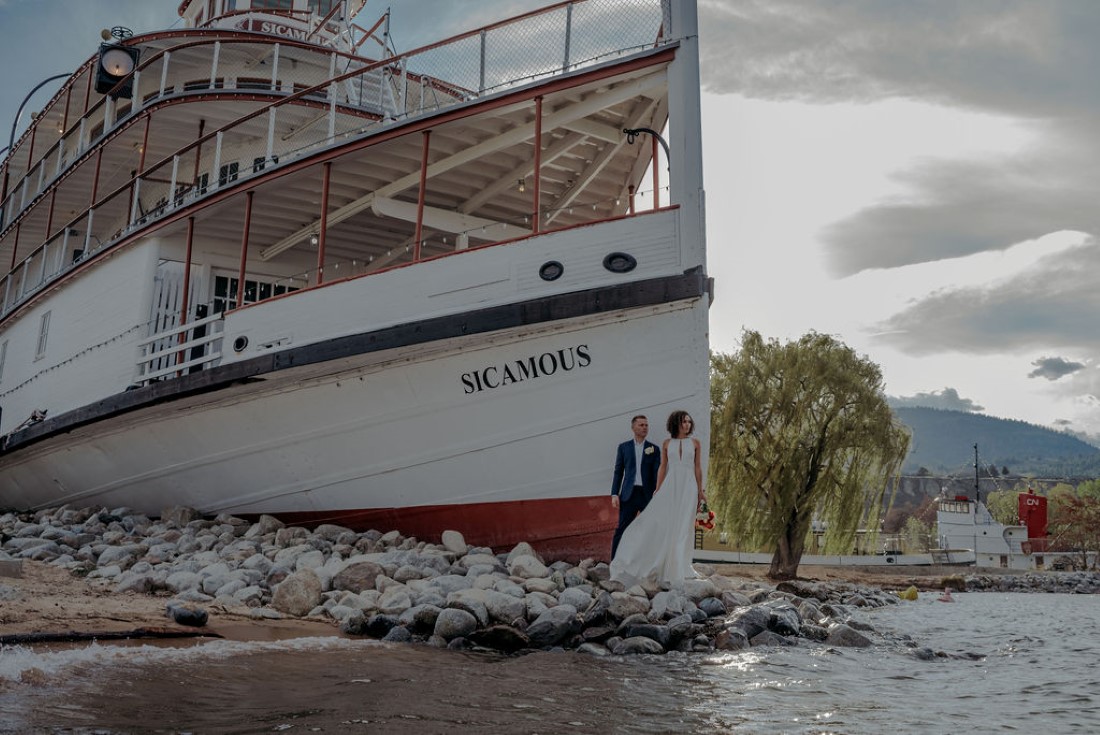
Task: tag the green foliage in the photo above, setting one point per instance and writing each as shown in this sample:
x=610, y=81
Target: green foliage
x=799, y=429
x=1074, y=523
x=1061, y=491
x=1089, y=489
x=1004, y=507
x=916, y=535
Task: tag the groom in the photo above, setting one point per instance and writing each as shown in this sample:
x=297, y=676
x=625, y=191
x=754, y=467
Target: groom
x=636, y=465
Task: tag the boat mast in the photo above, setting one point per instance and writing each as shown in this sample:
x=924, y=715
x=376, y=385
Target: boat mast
x=977, y=494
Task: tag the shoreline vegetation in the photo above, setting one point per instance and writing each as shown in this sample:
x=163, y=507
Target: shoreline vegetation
x=70, y=575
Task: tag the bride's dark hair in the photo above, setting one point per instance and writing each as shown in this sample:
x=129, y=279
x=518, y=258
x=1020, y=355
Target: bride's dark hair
x=673, y=424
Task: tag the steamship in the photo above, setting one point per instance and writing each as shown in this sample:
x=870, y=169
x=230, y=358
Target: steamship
x=263, y=262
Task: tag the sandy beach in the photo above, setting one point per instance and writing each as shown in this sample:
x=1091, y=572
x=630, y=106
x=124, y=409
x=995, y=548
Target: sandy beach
x=54, y=601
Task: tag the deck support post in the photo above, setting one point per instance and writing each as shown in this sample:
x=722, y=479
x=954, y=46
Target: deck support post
x=244, y=246
x=421, y=195
x=656, y=173
x=184, y=300
x=326, y=175
x=538, y=166
x=14, y=248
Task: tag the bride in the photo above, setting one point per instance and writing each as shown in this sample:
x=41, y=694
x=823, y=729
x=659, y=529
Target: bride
x=657, y=545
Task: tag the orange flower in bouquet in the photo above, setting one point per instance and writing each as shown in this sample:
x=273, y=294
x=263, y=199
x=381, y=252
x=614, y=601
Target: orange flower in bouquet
x=704, y=519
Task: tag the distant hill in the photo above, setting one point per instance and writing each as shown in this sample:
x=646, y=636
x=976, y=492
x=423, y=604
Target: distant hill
x=943, y=443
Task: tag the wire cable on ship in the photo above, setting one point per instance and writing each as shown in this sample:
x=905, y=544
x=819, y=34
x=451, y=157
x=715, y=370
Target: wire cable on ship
x=73, y=358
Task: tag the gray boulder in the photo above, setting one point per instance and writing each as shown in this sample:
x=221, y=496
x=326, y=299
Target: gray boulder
x=771, y=638
x=503, y=638
x=554, y=625
x=751, y=620
x=420, y=618
x=298, y=594
x=454, y=542
x=379, y=625
x=453, y=623
x=659, y=633
x=634, y=646
x=398, y=634
x=712, y=606
x=504, y=607
x=190, y=616
x=731, y=639
x=843, y=635
x=784, y=619
x=357, y=576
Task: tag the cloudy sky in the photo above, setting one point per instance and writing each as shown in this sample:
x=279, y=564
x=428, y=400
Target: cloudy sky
x=916, y=177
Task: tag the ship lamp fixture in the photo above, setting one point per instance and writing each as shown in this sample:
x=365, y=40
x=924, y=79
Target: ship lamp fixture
x=632, y=133
x=521, y=185
x=314, y=239
x=115, y=64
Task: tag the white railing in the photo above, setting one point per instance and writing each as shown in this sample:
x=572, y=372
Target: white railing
x=357, y=102
x=181, y=350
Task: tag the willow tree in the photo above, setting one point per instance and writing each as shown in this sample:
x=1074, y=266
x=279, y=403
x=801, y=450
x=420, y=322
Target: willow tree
x=799, y=430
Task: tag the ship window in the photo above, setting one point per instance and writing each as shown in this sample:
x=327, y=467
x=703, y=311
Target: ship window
x=322, y=7
x=197, y=85
x=3, y=358
x=228, y=173
x=253, y=83
x=43, y=332
x=620, y=262
x=225, y=291
x=276, y=4
x=551, y=270
x=260, y=162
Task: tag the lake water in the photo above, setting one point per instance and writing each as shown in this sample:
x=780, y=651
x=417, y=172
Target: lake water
x=1013, y=663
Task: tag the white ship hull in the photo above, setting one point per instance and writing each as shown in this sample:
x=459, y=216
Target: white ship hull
x=400, y=438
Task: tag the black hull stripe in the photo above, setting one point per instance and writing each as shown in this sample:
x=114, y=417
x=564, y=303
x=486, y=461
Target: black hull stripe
x=651, y=292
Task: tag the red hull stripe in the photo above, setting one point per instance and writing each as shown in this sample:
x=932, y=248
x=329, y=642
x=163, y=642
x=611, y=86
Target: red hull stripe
x=569, y=529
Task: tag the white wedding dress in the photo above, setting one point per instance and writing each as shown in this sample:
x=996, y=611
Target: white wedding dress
x=657, y=544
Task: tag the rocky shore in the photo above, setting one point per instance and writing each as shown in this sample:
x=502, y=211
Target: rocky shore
x=450, y=595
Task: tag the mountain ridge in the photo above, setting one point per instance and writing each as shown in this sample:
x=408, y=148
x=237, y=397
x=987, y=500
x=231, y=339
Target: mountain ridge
x=943, y=442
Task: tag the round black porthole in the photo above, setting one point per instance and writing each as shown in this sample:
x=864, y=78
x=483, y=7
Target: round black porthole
x=551, y=270
x=240, y=343
x=620, y=262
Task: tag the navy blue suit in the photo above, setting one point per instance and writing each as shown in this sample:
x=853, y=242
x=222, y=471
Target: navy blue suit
x=633, y=500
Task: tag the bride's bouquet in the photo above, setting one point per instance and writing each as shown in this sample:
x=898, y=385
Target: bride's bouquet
x=704, y=519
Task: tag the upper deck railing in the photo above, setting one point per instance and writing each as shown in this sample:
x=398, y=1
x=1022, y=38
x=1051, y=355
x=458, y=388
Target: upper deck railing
x=358, y=101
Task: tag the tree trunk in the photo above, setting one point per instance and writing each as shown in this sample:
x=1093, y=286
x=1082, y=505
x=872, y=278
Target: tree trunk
x=788, y=552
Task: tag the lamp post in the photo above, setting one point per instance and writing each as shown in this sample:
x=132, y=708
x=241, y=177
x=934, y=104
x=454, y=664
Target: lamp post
x=15, y=122
x=15, y=125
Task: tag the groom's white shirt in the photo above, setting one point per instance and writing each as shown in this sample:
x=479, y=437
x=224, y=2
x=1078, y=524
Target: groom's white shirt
x=638, y=446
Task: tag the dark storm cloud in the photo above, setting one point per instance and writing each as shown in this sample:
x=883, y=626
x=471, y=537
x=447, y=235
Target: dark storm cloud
x=1053, y=368
x=1034, y=61
x=947, y=398
x=966, y=207
x=1054, y=304
x=1033, y=58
